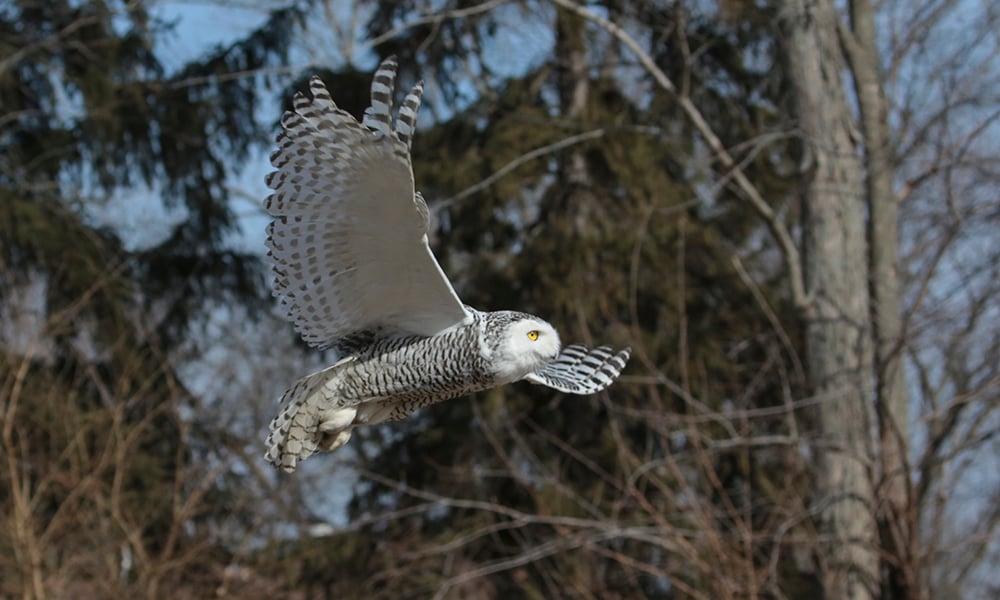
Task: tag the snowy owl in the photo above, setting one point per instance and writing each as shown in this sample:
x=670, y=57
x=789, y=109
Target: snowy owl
x=354, y=272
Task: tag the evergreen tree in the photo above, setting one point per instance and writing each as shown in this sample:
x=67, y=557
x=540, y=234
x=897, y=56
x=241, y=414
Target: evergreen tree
x=106, y=488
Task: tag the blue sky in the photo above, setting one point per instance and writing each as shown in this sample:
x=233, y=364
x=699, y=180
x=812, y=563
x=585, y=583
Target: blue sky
x=198, y=26
x=137, y=213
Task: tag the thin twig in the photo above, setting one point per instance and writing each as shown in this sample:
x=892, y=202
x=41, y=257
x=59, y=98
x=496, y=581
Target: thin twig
x=435, y=18
x=771, y=316
x=520, y=160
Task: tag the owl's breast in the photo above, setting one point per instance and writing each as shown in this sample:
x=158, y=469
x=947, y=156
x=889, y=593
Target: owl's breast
x=417, y=369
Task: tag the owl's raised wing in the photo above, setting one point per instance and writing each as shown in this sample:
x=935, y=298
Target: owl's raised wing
x=580, y=370
x=348, y=242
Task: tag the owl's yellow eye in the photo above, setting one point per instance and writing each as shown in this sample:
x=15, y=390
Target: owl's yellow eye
x=532, y=335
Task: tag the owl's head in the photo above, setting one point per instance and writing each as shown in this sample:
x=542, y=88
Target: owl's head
x=527, y=344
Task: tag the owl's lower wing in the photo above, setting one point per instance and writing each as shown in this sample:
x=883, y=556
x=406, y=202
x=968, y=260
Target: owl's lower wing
x=348, y=242
x=580, y=370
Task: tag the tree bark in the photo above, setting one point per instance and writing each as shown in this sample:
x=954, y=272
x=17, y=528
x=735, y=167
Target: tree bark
x=574, y=85
x=838, y=337
x=896, y=515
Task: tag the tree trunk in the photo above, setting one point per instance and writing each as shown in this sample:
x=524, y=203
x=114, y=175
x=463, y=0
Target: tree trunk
x=573, y=82
x=896, y=515
x=574, y=85
x=838, y=337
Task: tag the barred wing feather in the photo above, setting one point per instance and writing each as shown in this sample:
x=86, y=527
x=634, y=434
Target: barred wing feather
x=348, y=242
x=580, y=370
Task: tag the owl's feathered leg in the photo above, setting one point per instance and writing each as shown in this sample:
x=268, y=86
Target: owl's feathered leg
x=336, y=426
x=309, y=421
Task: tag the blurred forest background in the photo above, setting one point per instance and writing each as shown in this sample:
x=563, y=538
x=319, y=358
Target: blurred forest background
x=788, y=208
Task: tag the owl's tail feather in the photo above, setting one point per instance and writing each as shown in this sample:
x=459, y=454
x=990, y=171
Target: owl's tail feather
x=309, y=422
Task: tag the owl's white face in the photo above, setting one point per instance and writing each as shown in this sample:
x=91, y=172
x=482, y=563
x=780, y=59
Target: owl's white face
x=528, y=345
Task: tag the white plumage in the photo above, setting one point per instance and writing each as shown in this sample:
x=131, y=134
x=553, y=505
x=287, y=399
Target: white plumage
x=354, y=271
